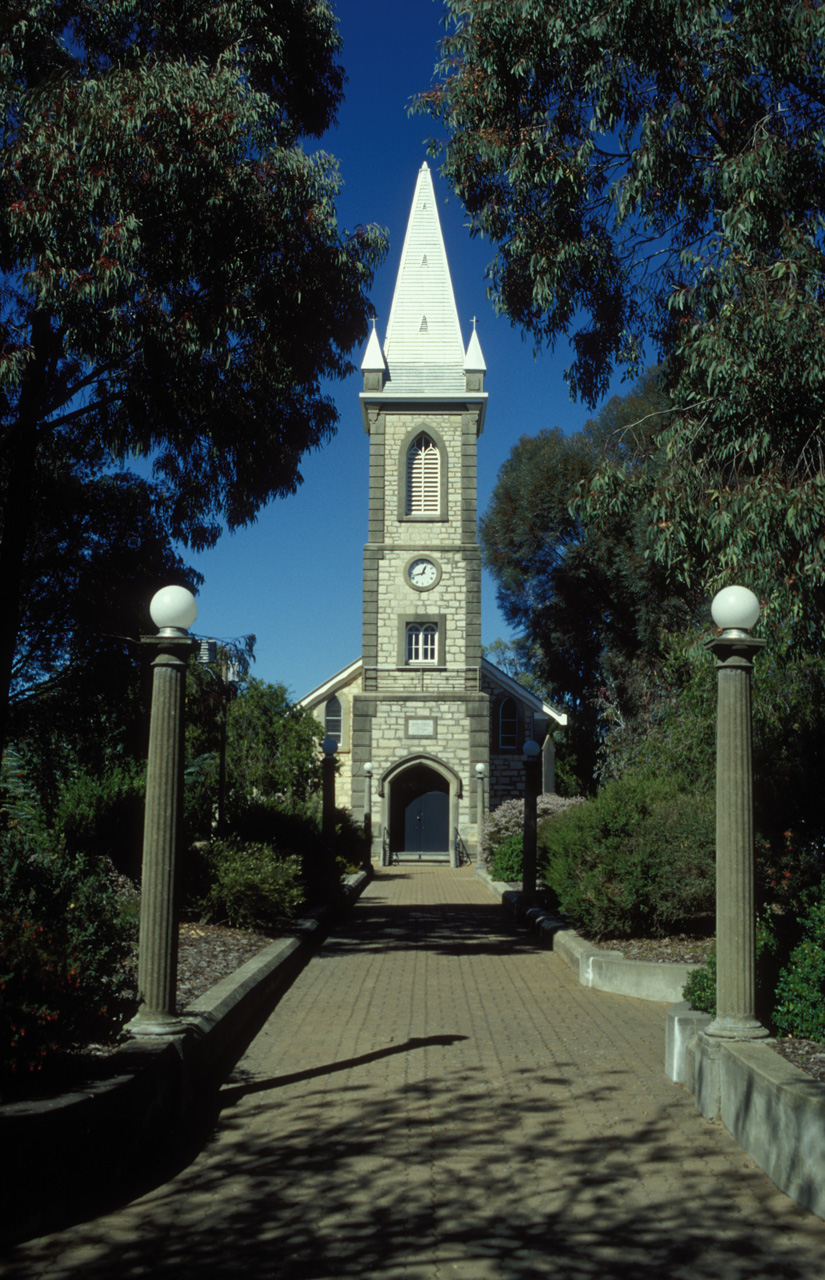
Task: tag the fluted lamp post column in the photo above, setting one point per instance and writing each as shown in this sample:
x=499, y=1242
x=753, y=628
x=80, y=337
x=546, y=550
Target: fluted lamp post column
x=173, y=610
x=480, y=772
x=329, y=746
x=368, y=816
x=735, y=610
x=532, y=786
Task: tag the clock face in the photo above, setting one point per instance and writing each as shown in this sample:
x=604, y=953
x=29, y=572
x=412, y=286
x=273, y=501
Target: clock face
x=422, y=573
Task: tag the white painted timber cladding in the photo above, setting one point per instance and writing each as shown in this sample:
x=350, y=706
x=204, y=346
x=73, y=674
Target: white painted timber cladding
x=423, y=346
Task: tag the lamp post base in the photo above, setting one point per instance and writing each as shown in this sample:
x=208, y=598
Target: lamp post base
x=155, y=1025
x=732, y=1028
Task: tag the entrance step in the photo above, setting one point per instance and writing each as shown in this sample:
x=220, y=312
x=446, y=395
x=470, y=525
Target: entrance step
x=419, y=857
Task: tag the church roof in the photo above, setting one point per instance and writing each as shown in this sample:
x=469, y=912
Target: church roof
x=498, y=678
x=423, y=347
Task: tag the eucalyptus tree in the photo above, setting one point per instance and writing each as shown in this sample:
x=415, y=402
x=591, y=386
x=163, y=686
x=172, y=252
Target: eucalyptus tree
x=173, y=281
x=652, y=175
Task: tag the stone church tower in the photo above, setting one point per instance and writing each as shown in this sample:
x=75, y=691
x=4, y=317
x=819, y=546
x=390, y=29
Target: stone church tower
x=439, y=728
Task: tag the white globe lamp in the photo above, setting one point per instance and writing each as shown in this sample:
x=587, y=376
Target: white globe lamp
x=173, y=609
x=735, y=609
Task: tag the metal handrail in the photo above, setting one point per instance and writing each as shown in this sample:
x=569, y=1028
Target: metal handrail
x=461, y=853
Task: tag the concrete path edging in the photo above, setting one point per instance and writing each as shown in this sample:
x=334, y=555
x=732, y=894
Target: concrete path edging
x=774, y=1111
x=60, y=1153
x=603, y=970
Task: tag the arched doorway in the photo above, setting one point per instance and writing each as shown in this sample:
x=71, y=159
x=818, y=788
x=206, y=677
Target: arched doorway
x=420, y=814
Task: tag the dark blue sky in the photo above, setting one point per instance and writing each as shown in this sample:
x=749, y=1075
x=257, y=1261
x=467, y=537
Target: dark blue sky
x=294, y=578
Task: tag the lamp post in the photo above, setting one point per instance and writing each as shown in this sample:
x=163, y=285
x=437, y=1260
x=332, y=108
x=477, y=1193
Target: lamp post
x=208, y=653
x=368, y=816
x=532, y=786
x=735, y=610
x=480, y=772
x=173, y=610
x=329, y=747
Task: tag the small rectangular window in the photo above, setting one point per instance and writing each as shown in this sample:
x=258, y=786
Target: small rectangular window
x=422, y=642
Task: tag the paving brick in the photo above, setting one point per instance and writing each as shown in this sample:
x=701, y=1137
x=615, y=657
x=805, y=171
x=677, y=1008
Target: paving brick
x=434, y=1098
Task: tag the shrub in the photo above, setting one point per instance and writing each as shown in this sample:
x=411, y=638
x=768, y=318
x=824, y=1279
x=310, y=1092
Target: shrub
x=66, y=942
x=507, y=821
x=102, y=817
x=700, y=988
x=800, y=992
x=251, y=885
x=507, y=862
x=639, y=858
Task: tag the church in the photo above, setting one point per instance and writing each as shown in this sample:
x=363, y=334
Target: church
x=429, y=732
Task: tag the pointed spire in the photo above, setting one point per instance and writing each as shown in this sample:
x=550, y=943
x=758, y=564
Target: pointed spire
x=474, y=360
x=373, y=356
x=423, y=347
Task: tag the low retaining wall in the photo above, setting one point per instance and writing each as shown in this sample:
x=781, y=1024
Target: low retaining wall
x=61, y=1156
x=603, y=970
x=774, y=1110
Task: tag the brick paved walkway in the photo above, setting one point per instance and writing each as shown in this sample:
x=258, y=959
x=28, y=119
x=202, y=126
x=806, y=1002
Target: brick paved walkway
x=436, y=1098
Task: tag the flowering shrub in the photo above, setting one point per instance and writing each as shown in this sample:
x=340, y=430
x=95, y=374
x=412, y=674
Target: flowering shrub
x=507, y=821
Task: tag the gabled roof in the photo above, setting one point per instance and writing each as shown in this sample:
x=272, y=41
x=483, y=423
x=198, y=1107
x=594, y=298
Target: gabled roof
x=509, y=685
x=331, y=686
x=493, y=673
x=423, y=347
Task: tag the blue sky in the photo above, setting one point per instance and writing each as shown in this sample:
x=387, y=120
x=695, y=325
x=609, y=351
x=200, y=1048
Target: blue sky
x=294, y=577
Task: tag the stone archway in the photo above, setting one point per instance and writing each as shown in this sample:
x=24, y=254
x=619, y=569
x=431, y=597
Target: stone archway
x=420, y=806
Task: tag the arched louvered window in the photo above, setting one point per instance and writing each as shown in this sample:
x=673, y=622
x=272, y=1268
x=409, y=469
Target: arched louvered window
x=334, y=720
x=508, y=725
x=423, y=477
x=422, y=642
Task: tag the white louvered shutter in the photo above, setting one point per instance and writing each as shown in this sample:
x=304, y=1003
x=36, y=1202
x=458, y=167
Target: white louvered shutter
x=423, y=478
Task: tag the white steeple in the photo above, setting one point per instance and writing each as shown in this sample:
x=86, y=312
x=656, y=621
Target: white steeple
x=423, y=347
x=373, y=357
x=474, y=360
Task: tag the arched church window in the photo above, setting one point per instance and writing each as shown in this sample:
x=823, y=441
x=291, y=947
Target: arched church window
x=508, y=724
x=422, y=642
x=334, y=720
x=423, y=477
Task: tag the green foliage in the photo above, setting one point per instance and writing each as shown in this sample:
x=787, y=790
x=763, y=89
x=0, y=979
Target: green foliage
x=252, y=885
x=775, y=935
x=700, y=988
x=507, y=860
x=639, y=858
x=271, y=744
x=592, y=608
x=272, y=761
x=349, y=843
x=614, y=185
x=68, y=929
x=669, y=195
x=102, y=817
x=800, y=993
